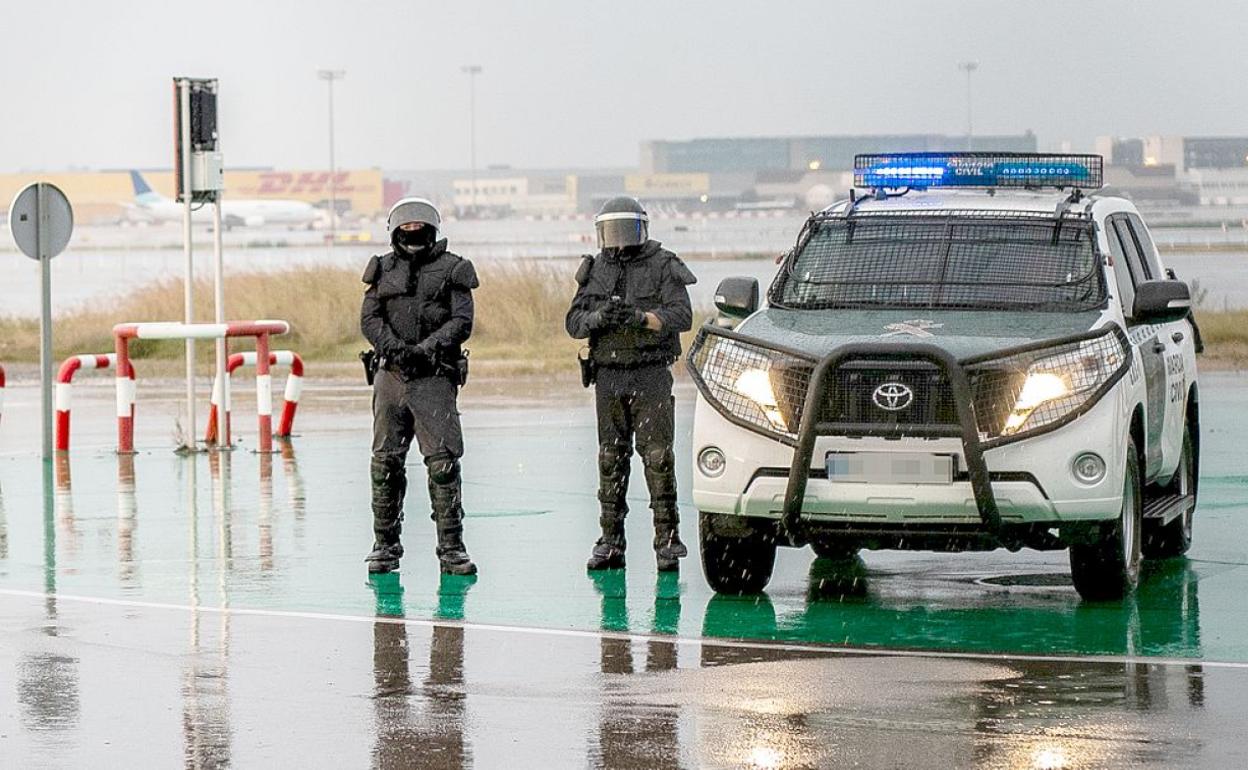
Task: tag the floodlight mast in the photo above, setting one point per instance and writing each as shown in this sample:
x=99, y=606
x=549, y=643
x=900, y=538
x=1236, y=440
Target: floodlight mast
x=472, y=70
x=969, y=68
x=329, y=76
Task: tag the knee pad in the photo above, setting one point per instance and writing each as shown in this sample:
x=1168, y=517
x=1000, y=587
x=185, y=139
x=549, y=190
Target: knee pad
x=443, y=469
x=612, y=458
x=386, y=469
x=658, y=458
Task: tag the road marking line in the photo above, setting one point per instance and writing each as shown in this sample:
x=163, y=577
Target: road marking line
x=683, y=641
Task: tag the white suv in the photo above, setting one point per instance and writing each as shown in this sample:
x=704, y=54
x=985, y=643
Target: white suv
x=983, y=351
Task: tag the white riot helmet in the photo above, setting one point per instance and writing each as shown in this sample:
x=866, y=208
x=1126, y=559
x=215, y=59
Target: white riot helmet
x=410, y=210
x=413, y=211
x=622, y=222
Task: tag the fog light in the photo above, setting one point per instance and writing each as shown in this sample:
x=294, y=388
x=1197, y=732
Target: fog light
x=1089, y=468
x=711, y=462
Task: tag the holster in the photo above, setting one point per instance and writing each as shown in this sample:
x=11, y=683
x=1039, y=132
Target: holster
x=589, y=369
x=461, y=369
x=371, y=361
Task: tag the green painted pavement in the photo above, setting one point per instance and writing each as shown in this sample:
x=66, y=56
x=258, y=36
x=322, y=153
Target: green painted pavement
x=290, y=532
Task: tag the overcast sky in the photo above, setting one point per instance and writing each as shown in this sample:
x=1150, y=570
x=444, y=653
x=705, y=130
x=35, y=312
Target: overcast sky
x=581, y=82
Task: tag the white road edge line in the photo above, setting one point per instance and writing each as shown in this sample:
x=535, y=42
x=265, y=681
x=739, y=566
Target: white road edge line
x=684, y=641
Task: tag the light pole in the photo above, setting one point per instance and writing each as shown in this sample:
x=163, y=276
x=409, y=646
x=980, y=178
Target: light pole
x=472, y=70
x=329, y=76
x=969, y=68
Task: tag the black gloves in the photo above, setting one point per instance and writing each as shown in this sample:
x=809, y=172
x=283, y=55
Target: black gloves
x=617, y=314
x=420, y=356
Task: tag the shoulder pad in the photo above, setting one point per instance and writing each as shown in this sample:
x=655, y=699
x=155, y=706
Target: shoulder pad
x=464, y=275
x=680, y=271
x=372, y=271
x=582, y=272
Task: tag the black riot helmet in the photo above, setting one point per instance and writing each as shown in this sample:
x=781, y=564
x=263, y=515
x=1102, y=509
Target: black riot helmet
x=622, y=222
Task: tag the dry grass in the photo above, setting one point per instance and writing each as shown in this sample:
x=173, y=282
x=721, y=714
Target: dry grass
x=519, y=322
x=1225, y=333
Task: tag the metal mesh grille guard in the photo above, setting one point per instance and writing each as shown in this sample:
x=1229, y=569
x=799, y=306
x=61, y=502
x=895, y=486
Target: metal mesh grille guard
x=944, y=259
x=775, y=391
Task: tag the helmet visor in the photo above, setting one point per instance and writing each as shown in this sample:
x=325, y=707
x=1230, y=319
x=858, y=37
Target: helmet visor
x=618, y=233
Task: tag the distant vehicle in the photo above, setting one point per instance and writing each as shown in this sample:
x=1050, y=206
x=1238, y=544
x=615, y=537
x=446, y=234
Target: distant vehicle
x=151, y=206
x=983, y=351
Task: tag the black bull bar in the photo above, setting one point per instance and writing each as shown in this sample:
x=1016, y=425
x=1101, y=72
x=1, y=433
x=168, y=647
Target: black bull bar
x=812, y=426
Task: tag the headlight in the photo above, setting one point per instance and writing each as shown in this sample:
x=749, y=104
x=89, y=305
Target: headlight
x=1037, y=388
x=755, y=384
x=758, y=386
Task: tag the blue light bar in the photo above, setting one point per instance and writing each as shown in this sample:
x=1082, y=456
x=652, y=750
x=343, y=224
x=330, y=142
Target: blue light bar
x=921, y=170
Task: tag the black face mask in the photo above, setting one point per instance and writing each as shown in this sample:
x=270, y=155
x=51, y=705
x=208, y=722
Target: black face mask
x=413, y=241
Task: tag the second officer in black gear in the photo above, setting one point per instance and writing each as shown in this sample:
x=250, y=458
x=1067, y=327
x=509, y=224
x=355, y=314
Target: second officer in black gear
x=632, y=304
x=417, y=312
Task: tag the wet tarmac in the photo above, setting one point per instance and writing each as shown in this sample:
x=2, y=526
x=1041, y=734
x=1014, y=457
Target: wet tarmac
x=215, y=610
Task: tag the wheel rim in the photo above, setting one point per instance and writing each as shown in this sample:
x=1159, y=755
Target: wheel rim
x=1130, y=549
x=1186, y=485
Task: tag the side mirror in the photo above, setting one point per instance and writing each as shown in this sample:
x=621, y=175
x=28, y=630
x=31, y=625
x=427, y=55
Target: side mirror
x=1160, y=302
x=737, y=297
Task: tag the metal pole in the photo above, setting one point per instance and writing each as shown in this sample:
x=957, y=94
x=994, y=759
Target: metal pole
x=222, y=376
x=45, y=316
x=969, y=67
x=188, y=288
x=473, y=70
x=329, y=76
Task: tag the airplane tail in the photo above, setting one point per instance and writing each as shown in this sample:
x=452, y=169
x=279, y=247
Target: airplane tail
x=143, y=192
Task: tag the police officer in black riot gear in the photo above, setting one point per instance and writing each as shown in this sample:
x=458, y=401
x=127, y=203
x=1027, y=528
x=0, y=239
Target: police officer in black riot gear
x=417, y=312
x=632, y=304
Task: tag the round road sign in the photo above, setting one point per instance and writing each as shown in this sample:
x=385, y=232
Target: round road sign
x=41, y=220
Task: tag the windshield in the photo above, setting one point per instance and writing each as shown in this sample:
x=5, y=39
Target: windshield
x=947, y=260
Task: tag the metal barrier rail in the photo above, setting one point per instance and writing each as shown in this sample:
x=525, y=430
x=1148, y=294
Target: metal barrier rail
x=290, y=396
x=64, y=396
x=261, y=330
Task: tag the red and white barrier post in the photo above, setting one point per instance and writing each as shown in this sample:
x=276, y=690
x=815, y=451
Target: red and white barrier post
x=290, y=396
x=123, y=333
x=64, y=395
x=1, y=391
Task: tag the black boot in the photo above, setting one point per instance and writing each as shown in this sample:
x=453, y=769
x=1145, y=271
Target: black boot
x=605, y=556
x=668, y=550
x=384, y=557
x=660, y=467
x=446, y=499
x=608, y=552
x=389, y=480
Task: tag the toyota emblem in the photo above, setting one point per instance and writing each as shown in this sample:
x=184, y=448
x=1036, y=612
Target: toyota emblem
x=892, y=396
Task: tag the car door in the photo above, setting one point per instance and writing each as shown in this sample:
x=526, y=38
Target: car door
x=1174, y=336
x=1144, y=338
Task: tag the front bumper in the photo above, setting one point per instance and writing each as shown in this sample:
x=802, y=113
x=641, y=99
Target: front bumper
x=1025, y=482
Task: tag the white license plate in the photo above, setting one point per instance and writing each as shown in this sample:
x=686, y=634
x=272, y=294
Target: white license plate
x=890, y=467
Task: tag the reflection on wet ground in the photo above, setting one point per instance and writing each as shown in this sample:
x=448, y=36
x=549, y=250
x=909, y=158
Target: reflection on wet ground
x=212, y=610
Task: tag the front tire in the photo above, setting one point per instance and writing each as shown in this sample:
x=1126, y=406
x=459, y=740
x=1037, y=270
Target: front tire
x=1110, y=569
x=736, y=563
x=1163, y=541
x=835, y=550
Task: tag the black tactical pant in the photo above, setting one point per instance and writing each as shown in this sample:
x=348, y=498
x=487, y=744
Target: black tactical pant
x=636, y=403
x=423, y=408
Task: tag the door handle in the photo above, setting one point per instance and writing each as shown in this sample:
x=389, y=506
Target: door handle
x=1177, y=337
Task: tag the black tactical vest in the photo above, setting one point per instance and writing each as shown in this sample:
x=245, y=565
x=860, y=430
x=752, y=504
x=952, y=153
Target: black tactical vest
x=415, y=294
x=638, y=281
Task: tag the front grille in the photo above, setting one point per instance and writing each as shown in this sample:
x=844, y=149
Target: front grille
x=852, y=386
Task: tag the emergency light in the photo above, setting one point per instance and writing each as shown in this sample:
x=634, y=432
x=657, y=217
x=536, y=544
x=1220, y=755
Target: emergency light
x=921, y=170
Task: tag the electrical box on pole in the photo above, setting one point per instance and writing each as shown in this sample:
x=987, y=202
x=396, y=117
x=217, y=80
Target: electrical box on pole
x=203, y=163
